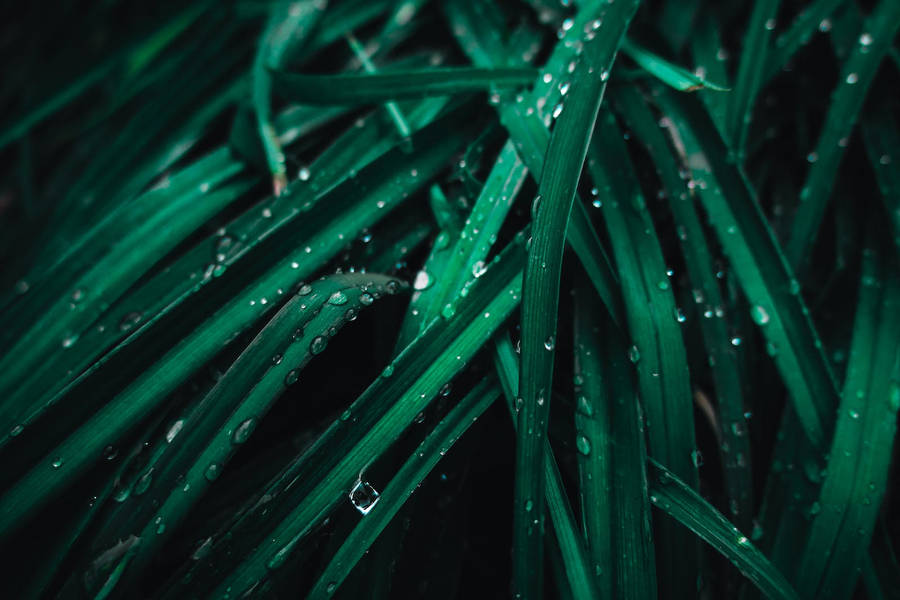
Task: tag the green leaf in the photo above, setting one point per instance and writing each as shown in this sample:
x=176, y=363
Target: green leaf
x=854, y=80
x=674, y=76
x=687, y=507
x=540, y=293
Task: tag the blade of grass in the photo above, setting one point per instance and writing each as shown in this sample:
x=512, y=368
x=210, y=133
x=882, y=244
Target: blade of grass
x=749, y=78
x=856, y=76
x=761, y=270
x=229, y=413
x=411, y=381
x=384, y=190
x=574, y=555
x=859, y=459
x=394, y=85
x=657, y=347
x=687, y=507
x=290, y=24
x=672, y=75
x=883, y=147
x=734, y=442
x=540, y=293
x=403, y=484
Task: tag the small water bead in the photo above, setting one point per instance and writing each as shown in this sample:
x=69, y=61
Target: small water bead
x=557, y=110
x=865, y=39
x=423, y=281
x=743, y=541
x=634, y=354
x=291, y=378
x=304, y=290
x=697, y=458
x=479, y=269
x=17, y=430
x=583, y=444
x=57, y=463
x=549, y=342
x=366, y=299
x=812, y=157
x=825, y=25
x=338, y=299
x=736, y=341
x=852, y=78
x=318, y=344
x=303, y=174
x=330, y=588
x=392, y=287
x=529, y=505
x=143, y=483
x=242, y=432
x=884, y=159
x=679, y=315
x=547, y=78
x=770, y=24
x=663, y=284
x=759, y=315
x=212, y=472
x=388, y=371
x=363, y=496
x=174, y=430
x=853, y=414
x=564, y=88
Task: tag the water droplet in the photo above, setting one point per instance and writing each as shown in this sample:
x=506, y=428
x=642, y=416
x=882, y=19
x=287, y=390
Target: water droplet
x=679, y=315
x=318, y=344
x=57, y=463
x=174, y=430
x=812, y=157
x=583, y=444
x=422, y=281
x=392, y=287
x=143, y=483
x=212, y=472
x=243, y=431
x=663, y=284
x=865, y=39
x=448, y=311
x=853, y=414
x=479, y=269
x=303, y=174
x=852, y=78
x=338, y=298
x=634, y=354
x=528, y=505
x=697, y=458
x=388, y=371
x=330, y=588
x=825, y=25
x=770, y=24
x=363, y=496
x=736, y=341
x=604, y=75
x=548, y=343
x=759, y=315
x=17, y=430
x=535, y=206
x=291, y=378
x=366, y=299
x=743, y=541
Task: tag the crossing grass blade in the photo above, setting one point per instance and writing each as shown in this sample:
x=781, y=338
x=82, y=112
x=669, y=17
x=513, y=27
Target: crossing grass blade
x=854, y=81
x=857, y=470
x=749, y=77
x=228, y=415
x=383, y=192
x=672, y=75
x=540, y=293
x=576, y=563
x=394, y=85
x=766, y=279
x=657, y=348
x=883, y=147
x=289, y=26
x=683, y=504
x=707, y=296
x=403, y=484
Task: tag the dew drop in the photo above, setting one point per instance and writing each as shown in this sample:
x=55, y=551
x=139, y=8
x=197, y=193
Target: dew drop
x=366, y=299
x=388, y=371
x=303, y=174
x=422, y=281
x=291, y=378
x=338, y=299
x=174, y=430
x=318, y=344
x=634, y=354
x=759, y=315
x=852, y=78
x=548, y=343
x=363, y=496
x=583, y=444
x=243, y=431
x=212, y=472
x=57, y=463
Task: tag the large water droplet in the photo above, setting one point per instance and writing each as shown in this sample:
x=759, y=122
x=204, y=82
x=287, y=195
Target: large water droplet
x=338, y=298
x=363, y=496
x=422, y=281
x=318, y=344
x=242, y=432
x=212, y=472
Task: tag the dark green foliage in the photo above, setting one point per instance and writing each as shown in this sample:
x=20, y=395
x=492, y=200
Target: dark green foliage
x=665, y=233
